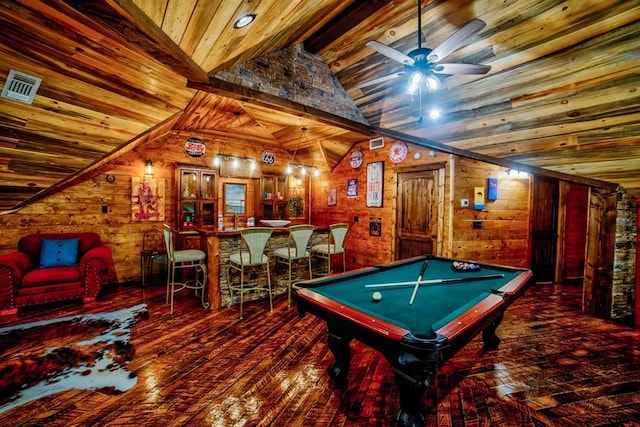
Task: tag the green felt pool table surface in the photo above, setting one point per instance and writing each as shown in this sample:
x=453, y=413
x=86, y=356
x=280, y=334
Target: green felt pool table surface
x=435, y=304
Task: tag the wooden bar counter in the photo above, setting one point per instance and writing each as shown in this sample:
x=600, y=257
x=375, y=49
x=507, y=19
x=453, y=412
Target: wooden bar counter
x=220, y=244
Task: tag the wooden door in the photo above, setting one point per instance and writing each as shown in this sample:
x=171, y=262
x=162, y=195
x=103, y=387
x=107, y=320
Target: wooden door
x=417, y=213
x=572, y=232
x=598, y=272
x=544, y=228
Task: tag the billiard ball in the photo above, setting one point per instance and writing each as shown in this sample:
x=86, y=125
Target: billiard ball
x=377, y=296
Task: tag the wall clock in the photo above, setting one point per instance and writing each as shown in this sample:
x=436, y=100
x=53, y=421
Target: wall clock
x=398, y=151
x=356, y=159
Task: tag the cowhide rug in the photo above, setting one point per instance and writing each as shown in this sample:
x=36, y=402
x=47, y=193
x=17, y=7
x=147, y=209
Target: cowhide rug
x=90, y=351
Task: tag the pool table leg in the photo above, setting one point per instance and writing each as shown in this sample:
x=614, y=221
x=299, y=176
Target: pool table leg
x=412, y=385
x=339, y=346
x=491, y=340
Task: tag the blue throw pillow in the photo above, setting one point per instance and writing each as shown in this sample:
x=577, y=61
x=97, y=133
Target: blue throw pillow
x=59, y=253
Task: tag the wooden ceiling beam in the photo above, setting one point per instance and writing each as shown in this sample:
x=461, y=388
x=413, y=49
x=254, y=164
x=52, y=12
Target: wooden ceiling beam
x=123, y=17
x=356, y=12
x=323, y=153
x=443, y=148
x=227, y=135
x=250, y=96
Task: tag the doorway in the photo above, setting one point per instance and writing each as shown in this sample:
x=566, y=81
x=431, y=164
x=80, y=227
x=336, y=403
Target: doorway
x=544, y=228
x=419, y=197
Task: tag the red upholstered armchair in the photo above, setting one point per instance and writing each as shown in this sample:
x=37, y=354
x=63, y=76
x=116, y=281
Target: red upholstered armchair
x=51, y=267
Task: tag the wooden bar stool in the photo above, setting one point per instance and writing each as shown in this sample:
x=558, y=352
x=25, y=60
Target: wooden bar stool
x=299, y=236
x=251, y=254
x=334, y=245
x=188, y=258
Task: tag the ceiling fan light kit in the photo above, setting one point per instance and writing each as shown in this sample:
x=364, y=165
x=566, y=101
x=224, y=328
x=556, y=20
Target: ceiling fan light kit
x=418, y=79
x=423, y=64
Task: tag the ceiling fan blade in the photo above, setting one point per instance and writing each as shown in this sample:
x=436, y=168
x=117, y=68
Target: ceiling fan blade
x=380, y=79
x=454, y=42
x=461, y=69
x=390, y=52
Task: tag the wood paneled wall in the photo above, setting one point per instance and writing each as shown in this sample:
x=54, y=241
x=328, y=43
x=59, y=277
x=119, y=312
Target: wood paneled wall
x=79, y=208
x=504, y=235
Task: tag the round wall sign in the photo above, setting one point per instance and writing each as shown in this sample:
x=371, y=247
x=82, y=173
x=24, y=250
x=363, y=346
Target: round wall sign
x=356, y=159
x=268, y=157
x=398, y=151
x=194, y=147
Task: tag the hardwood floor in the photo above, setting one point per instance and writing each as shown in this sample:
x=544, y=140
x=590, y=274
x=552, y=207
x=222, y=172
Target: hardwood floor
x=554, y=367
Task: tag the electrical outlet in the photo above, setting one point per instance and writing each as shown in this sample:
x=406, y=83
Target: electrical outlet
x=464, y=203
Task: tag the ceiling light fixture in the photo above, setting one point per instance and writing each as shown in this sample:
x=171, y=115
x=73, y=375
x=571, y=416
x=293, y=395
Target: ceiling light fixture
x=418, y=78
x=513, y=173
x=235, y=160
x=244, y=20
x=303, y=168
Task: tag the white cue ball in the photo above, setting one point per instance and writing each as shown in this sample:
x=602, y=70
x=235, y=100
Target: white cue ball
x=377, y=296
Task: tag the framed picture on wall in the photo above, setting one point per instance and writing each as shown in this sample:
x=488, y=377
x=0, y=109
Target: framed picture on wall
x=234, y=198
x=375, y=226
x=147, y=199
x=375, y=180
x=332, y=197
x=352, y=188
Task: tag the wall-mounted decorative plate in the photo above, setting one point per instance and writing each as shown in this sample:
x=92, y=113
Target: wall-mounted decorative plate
x=356, y=159
x=398, y=151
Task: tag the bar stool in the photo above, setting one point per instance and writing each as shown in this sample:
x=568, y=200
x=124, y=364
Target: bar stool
x=334, y=245
x=255, y=241
x=188, y=258
x=299, y=236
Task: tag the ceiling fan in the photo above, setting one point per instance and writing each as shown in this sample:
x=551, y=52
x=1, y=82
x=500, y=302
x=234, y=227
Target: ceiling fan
x=423, y=64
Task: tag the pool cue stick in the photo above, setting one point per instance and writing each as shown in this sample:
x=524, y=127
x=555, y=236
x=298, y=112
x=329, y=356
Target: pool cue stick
x=434, y=281
x=417, y=285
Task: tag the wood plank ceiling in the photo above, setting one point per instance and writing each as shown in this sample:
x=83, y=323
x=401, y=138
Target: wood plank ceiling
x=562, y=93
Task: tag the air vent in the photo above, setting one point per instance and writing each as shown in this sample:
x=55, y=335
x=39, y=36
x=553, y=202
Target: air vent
x=376, y=143
x=21, y=87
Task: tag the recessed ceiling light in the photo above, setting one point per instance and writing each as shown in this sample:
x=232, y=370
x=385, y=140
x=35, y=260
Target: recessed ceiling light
x=244, y=20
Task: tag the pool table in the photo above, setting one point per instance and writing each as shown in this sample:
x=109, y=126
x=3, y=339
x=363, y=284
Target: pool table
x=450, y=308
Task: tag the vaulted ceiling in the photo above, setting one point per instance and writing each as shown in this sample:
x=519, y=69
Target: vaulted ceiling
x=561, y=94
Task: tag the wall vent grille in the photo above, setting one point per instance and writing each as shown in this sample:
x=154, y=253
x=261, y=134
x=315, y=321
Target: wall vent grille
x=21, y=87
x=376, y=143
